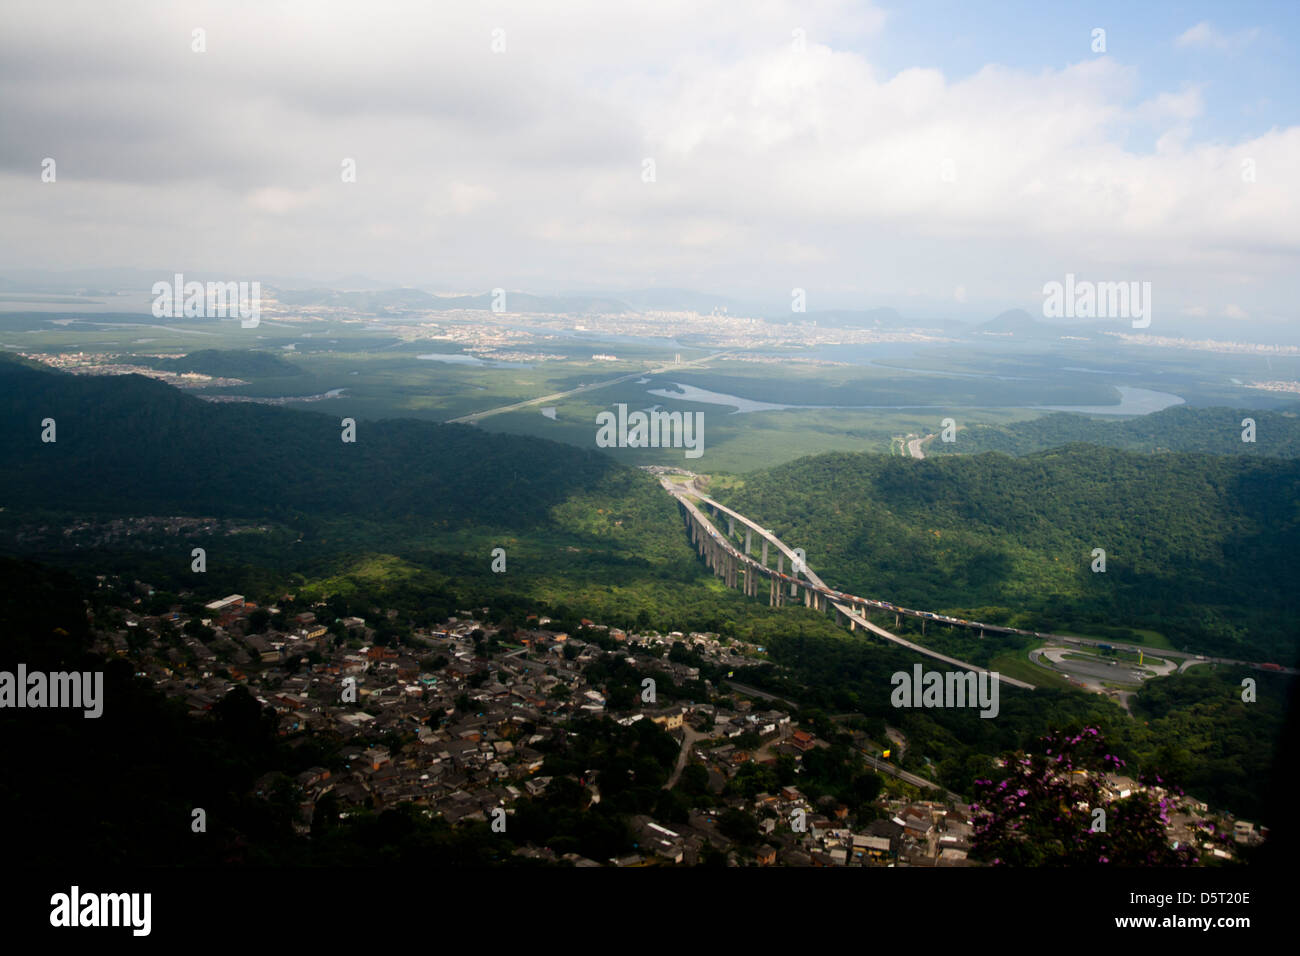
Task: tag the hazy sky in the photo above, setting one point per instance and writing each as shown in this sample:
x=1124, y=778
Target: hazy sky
x=903, y=154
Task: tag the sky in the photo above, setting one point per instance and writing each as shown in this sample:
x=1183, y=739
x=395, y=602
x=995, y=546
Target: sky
x=935, y=157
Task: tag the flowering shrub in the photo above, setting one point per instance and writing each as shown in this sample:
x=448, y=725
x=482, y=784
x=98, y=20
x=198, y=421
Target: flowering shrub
x=1041, y=812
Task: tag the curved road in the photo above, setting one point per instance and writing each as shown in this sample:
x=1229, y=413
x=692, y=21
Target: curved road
x=847, y=604
x=812, y=581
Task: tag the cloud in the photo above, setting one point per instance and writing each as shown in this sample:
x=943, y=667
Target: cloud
x=775, y=166
x=1205, y=37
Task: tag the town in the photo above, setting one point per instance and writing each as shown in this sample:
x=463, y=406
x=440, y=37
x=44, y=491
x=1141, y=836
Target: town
x=458, y=719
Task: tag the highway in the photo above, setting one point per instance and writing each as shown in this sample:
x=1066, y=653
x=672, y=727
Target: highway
x=556, y=396
x=843, y=603
x=851, y=606
x=886, y=767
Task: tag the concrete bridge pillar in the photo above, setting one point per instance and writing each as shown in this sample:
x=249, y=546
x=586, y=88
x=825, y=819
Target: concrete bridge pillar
x=780, y=563
x=731, y=526
x=898, y=622
x=765, y=552
x=747, y=532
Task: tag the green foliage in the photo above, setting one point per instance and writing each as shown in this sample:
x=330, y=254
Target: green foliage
x=1211, y=431
x=222, y=363
x=1204, y=549
x=1039, y=811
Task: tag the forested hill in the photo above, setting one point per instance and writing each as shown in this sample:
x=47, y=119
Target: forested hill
x=132, y=445
x=227, y=363
x=1212, y=431
x=1204, y=549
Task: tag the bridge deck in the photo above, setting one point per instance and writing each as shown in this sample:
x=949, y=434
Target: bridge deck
x=813, y=582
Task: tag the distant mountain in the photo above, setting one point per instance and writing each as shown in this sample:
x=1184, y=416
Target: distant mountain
x=1019, y=325
x=358, y=300
x=679, y=300
x=358, y=282
x=1016, y=322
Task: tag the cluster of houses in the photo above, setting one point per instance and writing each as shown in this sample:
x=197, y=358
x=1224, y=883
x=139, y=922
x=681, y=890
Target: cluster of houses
x=457, y=724
x=1191, y=823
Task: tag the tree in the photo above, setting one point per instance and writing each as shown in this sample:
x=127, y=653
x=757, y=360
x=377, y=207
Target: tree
x=739, y=826
x=1042, y=812
x=620, y=697
x=694, y=779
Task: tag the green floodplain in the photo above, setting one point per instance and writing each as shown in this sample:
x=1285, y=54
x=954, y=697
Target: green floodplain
x=382, y=375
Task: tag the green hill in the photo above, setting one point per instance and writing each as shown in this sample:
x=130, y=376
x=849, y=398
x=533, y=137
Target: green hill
x=226, y=364
x=128, y=444
x=1204, y=549
x=1211, y=431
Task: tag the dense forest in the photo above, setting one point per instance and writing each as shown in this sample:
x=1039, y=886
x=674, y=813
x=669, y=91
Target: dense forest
x=1202, y=549
x=1193, y=728
x=1211, y=431
x=224, y=363
x=128, y=444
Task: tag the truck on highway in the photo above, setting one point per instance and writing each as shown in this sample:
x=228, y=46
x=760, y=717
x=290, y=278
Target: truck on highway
x=1105, y=647
x=1270, y=666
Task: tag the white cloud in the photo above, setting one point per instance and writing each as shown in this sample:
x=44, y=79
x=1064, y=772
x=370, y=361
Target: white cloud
x=465, y=198
x=1205, y=37
x=525, y=167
